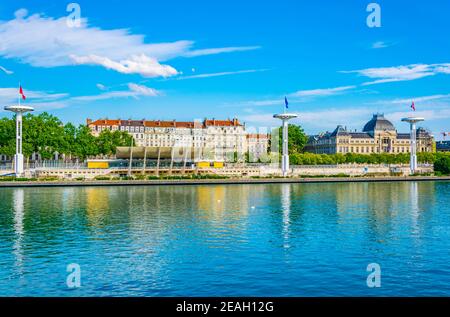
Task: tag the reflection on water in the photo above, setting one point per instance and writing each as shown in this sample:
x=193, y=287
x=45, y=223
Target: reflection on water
x=280, y=239
x=18, y=198
x=286, y=207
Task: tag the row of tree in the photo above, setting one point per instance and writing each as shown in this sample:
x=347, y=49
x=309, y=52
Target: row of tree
x=46, y=134
x=383, y=158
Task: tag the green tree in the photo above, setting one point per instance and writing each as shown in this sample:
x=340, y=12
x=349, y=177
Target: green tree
x=297, y=139
x=85, y=143
x=7, y=136
x=442, y=164
x=108, y=141
x=43, y=134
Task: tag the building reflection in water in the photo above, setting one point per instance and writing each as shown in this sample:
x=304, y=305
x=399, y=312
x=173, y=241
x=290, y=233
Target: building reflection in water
x=381, y=208
x=98, y=204
x=286, y=208
x=415, y=211
x=18, y=206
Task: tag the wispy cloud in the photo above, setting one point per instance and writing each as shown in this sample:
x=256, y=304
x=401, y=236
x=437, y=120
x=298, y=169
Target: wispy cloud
x=420, y=99
x=101, y=86
x=137, y=64
x=134, y=91
x=380, y=44
x=8, y=95
x=300, y=96
x=7, y=72
x=322, y=92
x=213, y=51
x=401, y=73
x=326, y=119
x=208, y=75
x=43, y=41
x=40, y=100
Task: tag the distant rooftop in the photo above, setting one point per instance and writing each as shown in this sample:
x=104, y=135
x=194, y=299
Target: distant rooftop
x=166, y=124
x=378, y=123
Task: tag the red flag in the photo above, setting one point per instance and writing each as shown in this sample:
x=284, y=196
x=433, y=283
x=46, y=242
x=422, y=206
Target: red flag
x=21, y=93
x=413, y=106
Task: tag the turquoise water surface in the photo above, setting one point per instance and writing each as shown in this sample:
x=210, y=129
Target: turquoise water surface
x=224, y=240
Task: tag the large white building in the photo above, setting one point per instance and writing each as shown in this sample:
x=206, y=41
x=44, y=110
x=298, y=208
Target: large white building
x=379, y=135
x=223, y=138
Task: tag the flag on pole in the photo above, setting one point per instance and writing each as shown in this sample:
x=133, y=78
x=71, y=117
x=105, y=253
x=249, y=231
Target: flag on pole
x=21, y=93
x=413, y=106
x=286, y=103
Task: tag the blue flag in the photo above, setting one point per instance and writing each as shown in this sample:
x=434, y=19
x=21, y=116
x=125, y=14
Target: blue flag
x=286, y=103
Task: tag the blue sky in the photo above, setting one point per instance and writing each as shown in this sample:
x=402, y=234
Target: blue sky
x=188, y=60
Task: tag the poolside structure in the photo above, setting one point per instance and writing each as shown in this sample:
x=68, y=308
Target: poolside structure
x=19, y=110
x=413, y=141
x=285, y=117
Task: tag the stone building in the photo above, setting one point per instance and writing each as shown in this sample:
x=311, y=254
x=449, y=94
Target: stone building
x=222, y=137
x=379, y=135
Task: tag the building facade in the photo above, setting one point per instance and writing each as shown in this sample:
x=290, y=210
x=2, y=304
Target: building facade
x=221, y=137
x=378, y=136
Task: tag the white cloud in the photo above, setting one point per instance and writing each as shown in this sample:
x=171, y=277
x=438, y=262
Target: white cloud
x=222, y=74
x=401, y=73
x=7, y=72
x=213, y=51
x=428, y=114
x=143, y=90
x=10, y=95
x=380, y=44
x=43, y=41
x=300, y=96
x=38, y=99
x=101, y=86
x=321, y=92
x=415, y=99
x=316, y=120
x=134, y=91
x=137, y=64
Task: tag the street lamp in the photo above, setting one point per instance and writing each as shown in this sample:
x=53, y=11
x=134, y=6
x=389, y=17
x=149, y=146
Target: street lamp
x=413, y=141
x=18, y=158
x=285, y=117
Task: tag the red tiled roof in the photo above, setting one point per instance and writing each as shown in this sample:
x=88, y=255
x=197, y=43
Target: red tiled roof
x=169, y=124
x=104, y=122
x=166, y=124
x=222, y=123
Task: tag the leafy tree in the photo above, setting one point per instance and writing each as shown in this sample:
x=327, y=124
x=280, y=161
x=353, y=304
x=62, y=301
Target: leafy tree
x=108, y=141
x=442, y=164
x=7, y=136
x=85, y=144
x=43, y=134
x=297, y=139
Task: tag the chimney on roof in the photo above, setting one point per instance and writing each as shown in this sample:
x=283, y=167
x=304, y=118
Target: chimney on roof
x=88, y=121
x=235, y=121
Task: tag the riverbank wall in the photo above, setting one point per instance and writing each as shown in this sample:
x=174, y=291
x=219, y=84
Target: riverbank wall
x=172, y=182
x=234, y=171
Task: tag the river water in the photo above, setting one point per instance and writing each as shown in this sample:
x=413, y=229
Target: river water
x=225, y=240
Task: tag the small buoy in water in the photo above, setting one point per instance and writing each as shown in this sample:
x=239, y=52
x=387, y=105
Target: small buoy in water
x=253, y=207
